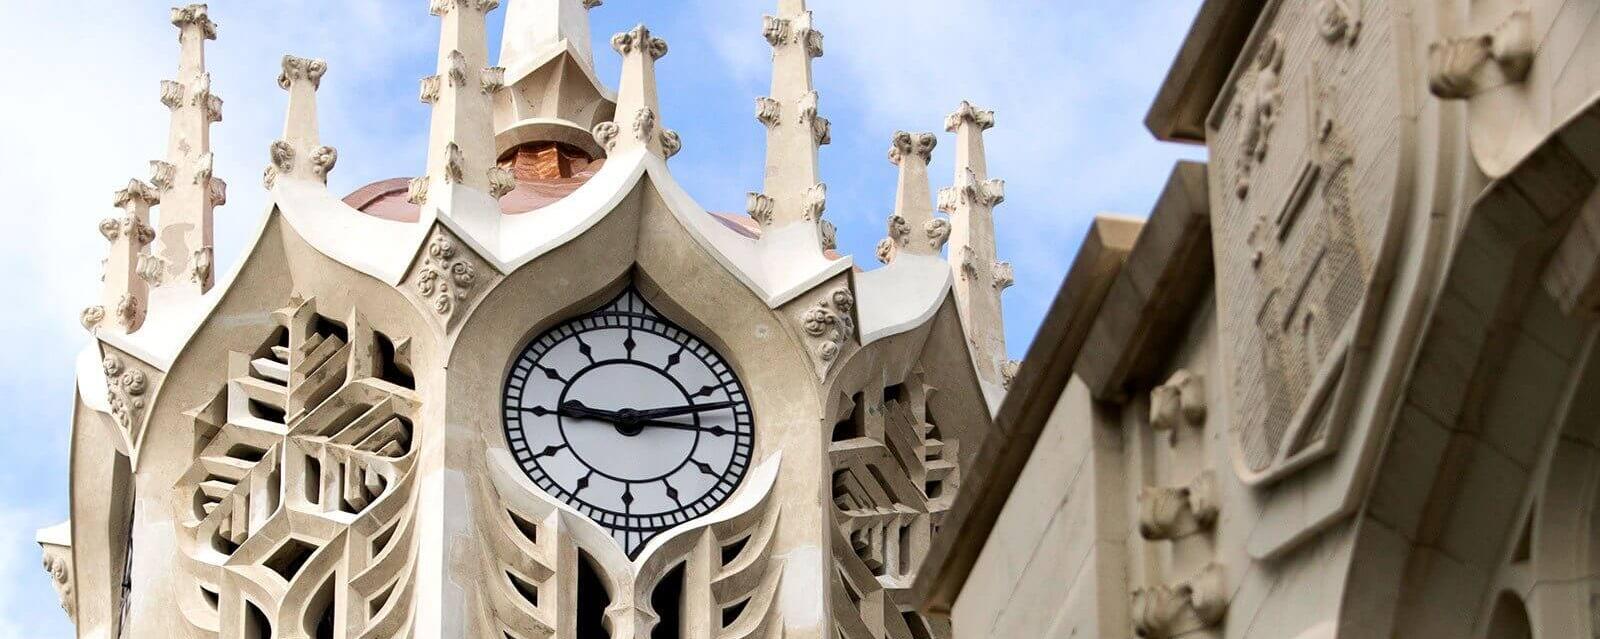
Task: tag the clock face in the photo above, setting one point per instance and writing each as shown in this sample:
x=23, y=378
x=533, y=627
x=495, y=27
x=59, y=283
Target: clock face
x=629, y=419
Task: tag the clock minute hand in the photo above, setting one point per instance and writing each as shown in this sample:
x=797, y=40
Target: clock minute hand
x=682, y=410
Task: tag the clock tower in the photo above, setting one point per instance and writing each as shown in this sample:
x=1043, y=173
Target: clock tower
x=536, y=390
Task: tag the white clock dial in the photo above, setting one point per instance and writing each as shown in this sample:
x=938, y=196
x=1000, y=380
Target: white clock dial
x=629, y=419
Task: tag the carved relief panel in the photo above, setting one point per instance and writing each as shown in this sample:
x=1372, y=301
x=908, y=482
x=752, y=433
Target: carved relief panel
x=1309, y=135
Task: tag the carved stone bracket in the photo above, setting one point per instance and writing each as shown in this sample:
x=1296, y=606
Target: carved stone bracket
x=768, y=111
x=1181, y=401
x=429, y=89
x=1458, y=68
x=1170, y=611
x=501, y=181
x=1175, y=513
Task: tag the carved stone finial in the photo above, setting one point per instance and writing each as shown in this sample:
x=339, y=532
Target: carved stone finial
x=136, y=194
x=197, y=15
x=309, y=69
x=639, y=38
x=919, y=144
x=983, y=119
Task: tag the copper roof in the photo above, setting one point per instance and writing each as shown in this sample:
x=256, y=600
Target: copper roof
x=546, y=173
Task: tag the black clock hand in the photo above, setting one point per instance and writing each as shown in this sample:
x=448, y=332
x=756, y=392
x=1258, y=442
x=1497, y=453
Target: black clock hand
x=682, y=410
x=576, y=408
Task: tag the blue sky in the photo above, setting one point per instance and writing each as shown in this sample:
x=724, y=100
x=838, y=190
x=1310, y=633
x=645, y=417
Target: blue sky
x=1071, y=82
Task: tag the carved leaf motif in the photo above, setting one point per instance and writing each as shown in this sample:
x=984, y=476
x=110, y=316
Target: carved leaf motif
x=816, y=202
x=323, y=159
x=493, y=79
x=501, y=181
x=429, y=92
x=454, y=171
x=644, y=124
x=775, y=30
x=768, y=111
x=760, y=208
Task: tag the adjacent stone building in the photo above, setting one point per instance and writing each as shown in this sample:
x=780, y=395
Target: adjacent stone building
x=536, y=391
x=1344, y=381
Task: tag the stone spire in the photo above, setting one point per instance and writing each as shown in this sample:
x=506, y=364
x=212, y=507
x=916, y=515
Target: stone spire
x=913, y=229
x=793, y=191
x=187, y=189
x=980, y=277
x=126, y=294
x=638, y=104
x=461, y=151
x=534, y=28
x=299, y=154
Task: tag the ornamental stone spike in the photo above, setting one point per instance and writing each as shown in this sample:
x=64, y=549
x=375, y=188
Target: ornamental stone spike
x=913, y=228
x=126, y=294
x=299, y=154
x=795, y=129
x=461, y=151
x=189, y=192
x=638, y=119
x=534, y=28
x=980, y=277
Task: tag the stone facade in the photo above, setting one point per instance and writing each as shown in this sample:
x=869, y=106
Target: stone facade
x=334, y=442
x=1341, y=382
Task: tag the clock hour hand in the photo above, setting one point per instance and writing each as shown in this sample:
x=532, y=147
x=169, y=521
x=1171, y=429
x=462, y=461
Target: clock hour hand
x=574, y=408
x=682, y=410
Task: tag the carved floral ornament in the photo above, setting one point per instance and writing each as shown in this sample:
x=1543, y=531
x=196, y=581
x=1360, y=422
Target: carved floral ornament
x=830, y=324
x=125, y=391
x=447, y=276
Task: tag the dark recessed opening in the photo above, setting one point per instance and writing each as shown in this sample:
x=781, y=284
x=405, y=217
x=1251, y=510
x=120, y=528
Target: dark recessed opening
x=667, y=600
x=593, y=599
